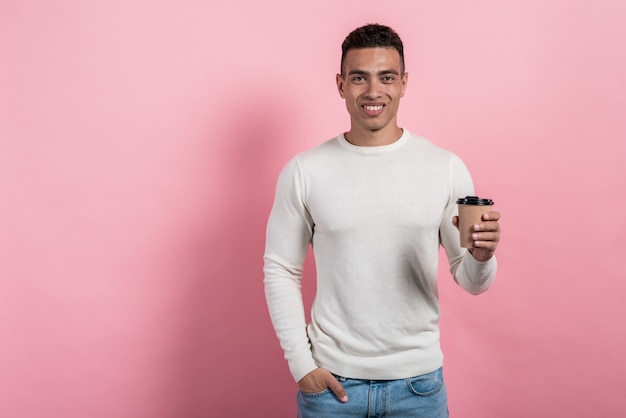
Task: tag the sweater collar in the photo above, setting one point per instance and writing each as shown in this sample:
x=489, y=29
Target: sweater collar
x=379, y=150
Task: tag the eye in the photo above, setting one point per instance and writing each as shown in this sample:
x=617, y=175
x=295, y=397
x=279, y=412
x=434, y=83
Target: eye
x=358, y=79
x=388, y=79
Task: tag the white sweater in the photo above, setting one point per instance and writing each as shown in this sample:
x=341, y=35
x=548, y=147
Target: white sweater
x=375, y=217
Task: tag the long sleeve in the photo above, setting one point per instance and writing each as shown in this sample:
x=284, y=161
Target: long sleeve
x=289, y=233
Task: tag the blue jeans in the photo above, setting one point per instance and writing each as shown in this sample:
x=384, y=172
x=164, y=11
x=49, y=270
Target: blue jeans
x=415, y=397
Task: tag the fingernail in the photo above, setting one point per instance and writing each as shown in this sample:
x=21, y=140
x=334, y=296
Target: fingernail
x=344, y=399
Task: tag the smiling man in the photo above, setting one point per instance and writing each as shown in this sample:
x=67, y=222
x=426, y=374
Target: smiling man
x=376, y=203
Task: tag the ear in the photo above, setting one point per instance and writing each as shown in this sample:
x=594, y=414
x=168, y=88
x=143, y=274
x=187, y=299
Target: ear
x=340, y=85
x=405, y=81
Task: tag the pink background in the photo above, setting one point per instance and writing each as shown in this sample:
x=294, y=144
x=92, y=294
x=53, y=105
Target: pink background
x=140, y=143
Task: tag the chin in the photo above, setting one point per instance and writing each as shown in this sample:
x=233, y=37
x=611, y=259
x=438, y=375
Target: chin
x=375, y=127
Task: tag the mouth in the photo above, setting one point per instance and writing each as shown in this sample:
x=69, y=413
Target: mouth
x=373, y=109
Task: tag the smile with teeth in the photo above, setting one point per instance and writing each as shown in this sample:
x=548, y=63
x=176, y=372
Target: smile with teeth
x=373, y=108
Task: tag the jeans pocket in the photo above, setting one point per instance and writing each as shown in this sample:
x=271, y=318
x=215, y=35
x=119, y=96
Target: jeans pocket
x=313, y=395
x=427, y=384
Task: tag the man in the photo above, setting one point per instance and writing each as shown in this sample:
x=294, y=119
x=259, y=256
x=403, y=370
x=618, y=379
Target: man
x=375, y=203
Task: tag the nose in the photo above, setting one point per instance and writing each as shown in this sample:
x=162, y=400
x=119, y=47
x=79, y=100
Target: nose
x=373, y=89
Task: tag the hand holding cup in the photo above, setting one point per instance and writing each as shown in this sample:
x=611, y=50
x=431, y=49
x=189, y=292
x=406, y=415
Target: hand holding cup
x=478, y=226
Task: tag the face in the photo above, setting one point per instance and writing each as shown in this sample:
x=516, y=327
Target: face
x=372, y=87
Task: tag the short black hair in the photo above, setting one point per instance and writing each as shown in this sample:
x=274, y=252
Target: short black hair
x=372, y=35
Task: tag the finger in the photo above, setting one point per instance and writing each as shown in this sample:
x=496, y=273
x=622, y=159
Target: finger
x=486, y=245
x=491, y=216
x=486, y=236
x=487, y=226
x=483, y=253
x=455, y=221
x=337, y=389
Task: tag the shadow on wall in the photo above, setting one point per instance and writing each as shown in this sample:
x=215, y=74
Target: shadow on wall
x=232, y=361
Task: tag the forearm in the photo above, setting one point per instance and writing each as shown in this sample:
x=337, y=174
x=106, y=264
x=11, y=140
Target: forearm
x=475, y=276
x=284, y=300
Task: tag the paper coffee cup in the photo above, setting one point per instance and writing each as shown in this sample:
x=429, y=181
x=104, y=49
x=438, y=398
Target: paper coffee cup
x=471, y=210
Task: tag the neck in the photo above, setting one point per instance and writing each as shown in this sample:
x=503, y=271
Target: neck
x=373, y=138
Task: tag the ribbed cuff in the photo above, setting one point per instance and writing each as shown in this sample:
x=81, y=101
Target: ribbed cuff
x=302, y=365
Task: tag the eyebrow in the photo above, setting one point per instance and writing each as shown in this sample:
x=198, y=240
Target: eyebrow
x=383, y=72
